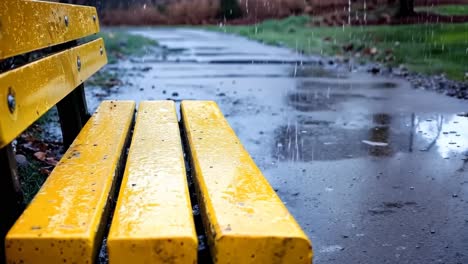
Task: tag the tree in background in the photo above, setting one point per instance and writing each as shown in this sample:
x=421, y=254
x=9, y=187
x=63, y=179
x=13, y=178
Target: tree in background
x=406, y=8
x=229, y=9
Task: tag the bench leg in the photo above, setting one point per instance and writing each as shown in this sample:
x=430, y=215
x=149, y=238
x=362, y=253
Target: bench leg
x=10, y=189
x=73, y=113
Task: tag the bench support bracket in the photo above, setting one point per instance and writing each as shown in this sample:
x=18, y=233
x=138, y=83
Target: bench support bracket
x=10, y=188
x=73, y=113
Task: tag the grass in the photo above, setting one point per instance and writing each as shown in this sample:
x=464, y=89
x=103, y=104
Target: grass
x=31, y=178
x=446, y=10
x=120, y=44
x=426, y=48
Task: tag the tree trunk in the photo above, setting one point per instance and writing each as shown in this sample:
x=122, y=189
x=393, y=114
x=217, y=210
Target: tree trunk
x=406, y=8
x=229, y=9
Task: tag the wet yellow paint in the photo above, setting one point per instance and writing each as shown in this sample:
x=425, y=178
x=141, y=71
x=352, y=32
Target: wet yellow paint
x=40, y=85
x=63, y=223
x=245, y=220
x=27, y=25
x=153, y=220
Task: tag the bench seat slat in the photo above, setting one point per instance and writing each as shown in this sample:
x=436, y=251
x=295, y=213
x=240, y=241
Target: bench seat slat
x=63, y=223
x=245, y=220
x=27, y=25
x=153, y=220
x=39, y=86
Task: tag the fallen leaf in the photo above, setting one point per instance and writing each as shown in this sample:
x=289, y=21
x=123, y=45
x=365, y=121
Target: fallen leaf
x=51, y=161
x=44, y=171
x=40, y=155
x=30, y=146
x=42, y=146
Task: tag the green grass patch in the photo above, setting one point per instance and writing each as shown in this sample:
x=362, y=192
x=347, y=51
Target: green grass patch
x=427, y=48
x=446, y=10
x=31, y=178
x=120, y=44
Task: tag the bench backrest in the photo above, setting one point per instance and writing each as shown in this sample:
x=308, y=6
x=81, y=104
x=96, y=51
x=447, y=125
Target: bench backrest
x=29, y=87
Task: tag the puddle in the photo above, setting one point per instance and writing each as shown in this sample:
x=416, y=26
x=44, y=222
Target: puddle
x=377, y=135
x=343, y=84
x=368, y=132
x=209, y=48
x=448, y=135
x=325, y=93
x=320, y=100
x=316, y=72
x=215, y=54
x=384, y=85
x=323, y=140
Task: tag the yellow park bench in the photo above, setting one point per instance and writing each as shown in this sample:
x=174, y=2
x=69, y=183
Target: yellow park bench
x=152, y=222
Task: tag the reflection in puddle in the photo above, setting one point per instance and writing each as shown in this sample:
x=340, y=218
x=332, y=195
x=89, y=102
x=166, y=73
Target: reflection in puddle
x=381, y=135
x=363, y=134
x=448, y=135
x=310, y=140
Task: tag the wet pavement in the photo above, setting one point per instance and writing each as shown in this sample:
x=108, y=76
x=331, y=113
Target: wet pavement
x=373, y=170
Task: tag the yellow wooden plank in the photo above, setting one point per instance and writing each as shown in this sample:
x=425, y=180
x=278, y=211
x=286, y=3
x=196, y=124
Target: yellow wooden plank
x=63, y=223
x=38, y=86
x=245, y=220
x=27, y=25
x=153, y=220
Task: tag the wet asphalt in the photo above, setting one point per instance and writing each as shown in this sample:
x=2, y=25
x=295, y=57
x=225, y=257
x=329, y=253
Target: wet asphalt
x=373, y=170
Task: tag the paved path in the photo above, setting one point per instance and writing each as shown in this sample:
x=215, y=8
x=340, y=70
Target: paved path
x=373, y=170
